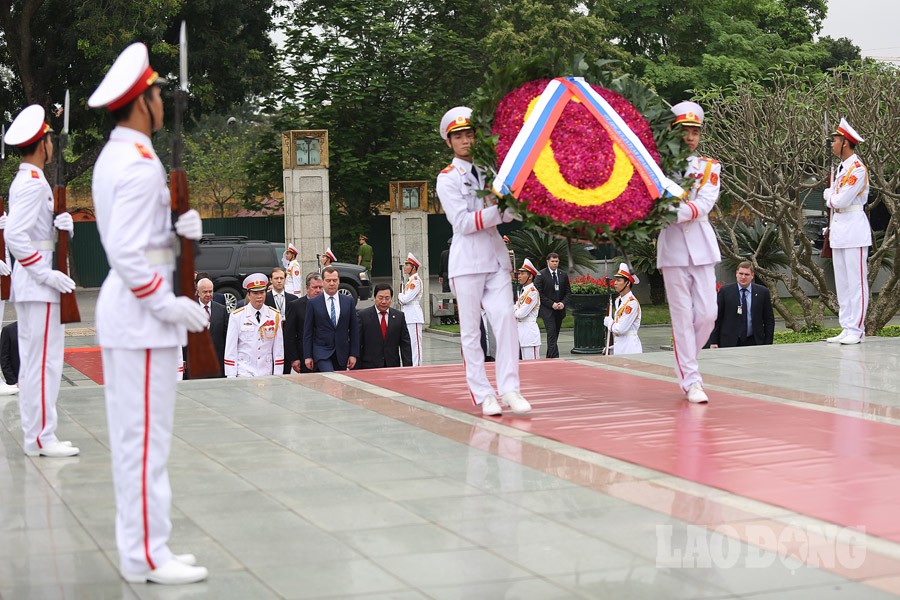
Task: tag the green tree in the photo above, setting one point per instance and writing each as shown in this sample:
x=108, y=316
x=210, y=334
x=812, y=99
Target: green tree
x=215, y=155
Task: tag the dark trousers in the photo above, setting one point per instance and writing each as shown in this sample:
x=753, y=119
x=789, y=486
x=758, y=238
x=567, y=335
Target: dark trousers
x=329, y=365
x=551, y=326
x=747, y=341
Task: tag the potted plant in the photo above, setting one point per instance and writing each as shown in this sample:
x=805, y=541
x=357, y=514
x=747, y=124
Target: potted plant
x=589, y=300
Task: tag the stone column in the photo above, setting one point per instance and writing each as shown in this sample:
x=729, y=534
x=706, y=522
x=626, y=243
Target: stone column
x=307, y=207
x=409, y=233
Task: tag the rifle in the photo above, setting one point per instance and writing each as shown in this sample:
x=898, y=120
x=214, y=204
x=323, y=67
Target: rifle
x=202, y=360
x=5, y=280
x=68, y=306
x=826, y=241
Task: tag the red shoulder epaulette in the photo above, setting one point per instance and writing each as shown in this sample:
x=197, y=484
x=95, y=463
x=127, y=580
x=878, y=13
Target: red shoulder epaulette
x=35, y=175
x=856, y=163
x=143, y=150
x=447, y=169
x=712, y=160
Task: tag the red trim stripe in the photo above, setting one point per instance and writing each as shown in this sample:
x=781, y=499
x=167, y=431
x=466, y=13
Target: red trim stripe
x=862, y=292
x=677, y=362
x=230, y=363
x=148, y=288
x=479, y=224
x=34, y=258
x=44, y=129
x=418, y=346
x=144, y=462
x=44, y=376
x=143, y=82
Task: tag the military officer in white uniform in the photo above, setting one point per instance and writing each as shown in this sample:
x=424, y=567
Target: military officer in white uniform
x=254, y=344
x=479, y=270
x=326, y=259
x=687, y=254
x=141, y=324
x=35, y=285
x=410, y=299
x=293, y=278
x=850, y=235
x=526, y=311
x=626, y=319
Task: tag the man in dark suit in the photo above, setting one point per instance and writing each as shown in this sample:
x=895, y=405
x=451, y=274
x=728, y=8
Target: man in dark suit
x=218, y=317
x=217, y=296
x=293, y=325
x=331, y=328
x=745, y=314
x=383, y=336
x=277, y=297
x=553, y=286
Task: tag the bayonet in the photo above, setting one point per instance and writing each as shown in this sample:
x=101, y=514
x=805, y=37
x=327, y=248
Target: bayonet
x=5, y=280
x=183, y=57
x=68, y=306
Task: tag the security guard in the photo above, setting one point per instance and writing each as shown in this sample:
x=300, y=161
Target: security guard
x=141, y=324
x=327, y=258
x=526, y=312
x=626, y=319
x=35, y=285
x=410, y=300
x=293, y=278
x=254, y=344
x=479, y=269
x=850, y=235
x=687, y=253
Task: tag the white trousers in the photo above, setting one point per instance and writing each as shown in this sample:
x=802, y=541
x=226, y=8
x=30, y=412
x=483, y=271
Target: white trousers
x=851, y=278
x=415, y=342
x=627, y=344
x=140, y=409
x=40, y=371
x=691, y=292
x=530, y=352
x=492, y=292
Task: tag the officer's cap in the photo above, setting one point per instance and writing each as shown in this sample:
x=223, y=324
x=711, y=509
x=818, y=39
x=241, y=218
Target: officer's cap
x=455, y=119
x=293, y=248
x=411, y=259
x=28, y=127
x=848, y=132
x=688, y=114
x=128, y=77
x=330, y=254
x=255, y=282
x=625, y=273
x=528, y=266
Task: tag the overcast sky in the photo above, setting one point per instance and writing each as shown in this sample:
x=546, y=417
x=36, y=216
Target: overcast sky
x=871, y=24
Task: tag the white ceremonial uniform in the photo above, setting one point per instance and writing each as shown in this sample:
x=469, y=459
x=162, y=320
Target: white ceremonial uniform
x=850, y=236
x=410, y=304
x=626, y=322
x=254, y=348
x=29, y=235
x=141, y=352
x=526, y=311
x=687, y=253
x=479, y=276
x=293, y=278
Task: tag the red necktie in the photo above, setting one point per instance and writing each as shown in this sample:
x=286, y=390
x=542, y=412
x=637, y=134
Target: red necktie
x=383, y=325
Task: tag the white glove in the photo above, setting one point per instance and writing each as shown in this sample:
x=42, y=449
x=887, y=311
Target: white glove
x=672, y=208
x=63, y=222
x=187, y=312
x=189, y=226
x=510, y=215
x=607, y=321
x=4, y=269
x=60, y=282
x=3, y=221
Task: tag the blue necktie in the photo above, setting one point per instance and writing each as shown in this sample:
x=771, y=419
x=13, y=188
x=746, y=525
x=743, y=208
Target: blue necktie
x=333, y=316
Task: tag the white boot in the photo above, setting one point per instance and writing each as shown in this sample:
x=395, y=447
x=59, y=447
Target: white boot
x=696, y=394
x=837, y=338
x=517, y=403
x=173, y=572
x=490, y=407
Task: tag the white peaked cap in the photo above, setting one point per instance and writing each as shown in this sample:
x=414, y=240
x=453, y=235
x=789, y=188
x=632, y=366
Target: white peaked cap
x=411, y=258
x=126, y=79
x=625, y=272
x=455, y=119
x=330, y=255
x=28, y=127
x=848, y=132
x=529, y=266
x=688, y=113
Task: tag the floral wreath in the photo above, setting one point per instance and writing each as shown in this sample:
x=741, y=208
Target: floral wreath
x=581, y=187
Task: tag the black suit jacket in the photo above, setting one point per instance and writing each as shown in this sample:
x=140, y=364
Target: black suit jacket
x=9, y=353
x=218, y=327
x=294, y=318
x=544, y=284
x=728, y=322
x=288, y=298
x=321, y=339
x=376, y=351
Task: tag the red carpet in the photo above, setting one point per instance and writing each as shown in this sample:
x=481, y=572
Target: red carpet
x=87, y=361
x=840, y=469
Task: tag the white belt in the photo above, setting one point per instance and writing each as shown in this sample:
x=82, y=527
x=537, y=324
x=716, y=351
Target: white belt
x=851, y=208
x=160, y=256
x=44, y=244
x=626, y=334
x=703, y=219
x=526, y=320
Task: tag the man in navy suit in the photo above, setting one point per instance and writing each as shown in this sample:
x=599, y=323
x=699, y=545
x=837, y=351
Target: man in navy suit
x=331, y=328
x=745, y=313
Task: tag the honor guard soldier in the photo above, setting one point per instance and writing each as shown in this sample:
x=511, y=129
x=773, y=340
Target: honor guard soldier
x=479, y=269
x=410, y=300
x=850, y=235
x=626, y=319
x=35, y=285
x=327, y=258
x=293, y=279
x=141, y=324
x=526, y=312
x=687, y=254
x=254, y=344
